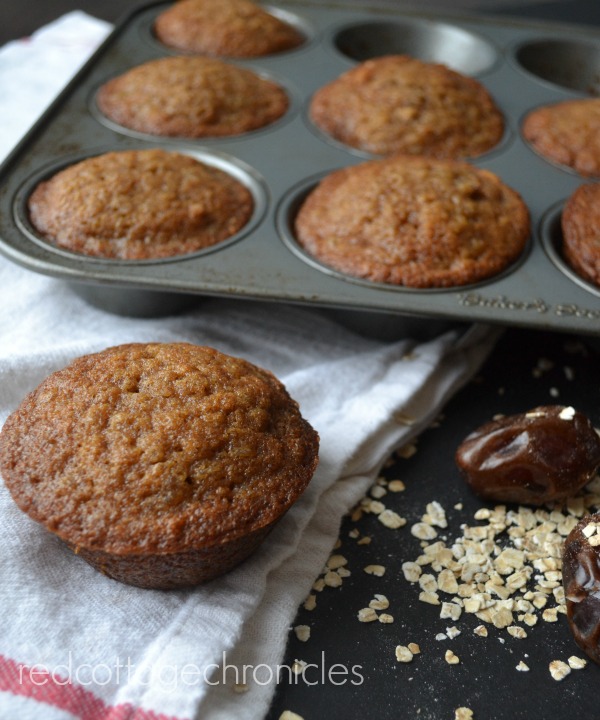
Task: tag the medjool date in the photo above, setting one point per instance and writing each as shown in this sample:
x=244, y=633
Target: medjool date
x=536, y=457
x=581, y=581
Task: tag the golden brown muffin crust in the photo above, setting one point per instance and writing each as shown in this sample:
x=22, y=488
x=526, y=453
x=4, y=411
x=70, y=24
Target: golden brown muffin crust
x=581, y=232
x=139, y=204
x=157, y=448
x=191, y=97
x=399, y=104
x=567, y=133
x=414, y=221
x=226, y=28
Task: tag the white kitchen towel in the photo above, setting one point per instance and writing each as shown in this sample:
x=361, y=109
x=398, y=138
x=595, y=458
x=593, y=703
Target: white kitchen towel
x=74, y=644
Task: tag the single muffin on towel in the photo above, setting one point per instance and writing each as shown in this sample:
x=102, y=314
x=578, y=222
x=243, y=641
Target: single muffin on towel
x=399, y=104
x=139, y=205
x=414, y=221
x=580, y=221
x=567, y=133
x=191, y=97
x=162, y=465
x=224, y=28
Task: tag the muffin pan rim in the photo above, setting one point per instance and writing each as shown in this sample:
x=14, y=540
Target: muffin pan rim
x=517, y=45
x=428, y=23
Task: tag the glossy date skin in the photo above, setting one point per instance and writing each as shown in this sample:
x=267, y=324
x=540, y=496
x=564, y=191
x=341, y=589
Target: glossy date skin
x=532, y=458
x=581, y=581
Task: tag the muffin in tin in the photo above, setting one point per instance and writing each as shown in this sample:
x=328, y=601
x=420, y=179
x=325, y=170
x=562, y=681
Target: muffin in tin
x=163, y=465
x=414, y=221
x=399, y=104
x=580, y=222
x=567, y=133
x=191, y=97
x=225, y=28
x=139, y=205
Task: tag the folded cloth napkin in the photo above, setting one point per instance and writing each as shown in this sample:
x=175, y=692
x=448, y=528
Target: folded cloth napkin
x=75, y=644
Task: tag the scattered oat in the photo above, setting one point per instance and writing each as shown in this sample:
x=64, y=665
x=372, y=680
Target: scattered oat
x=336, y=561
x=391, y=519
x=378, y=570
x=559, y=669
x=366, y=540
x=481, y=630
x=577, y=663
x=522, y=667
x=311, y=602
x=332, y=579
x=452, y=632
x=403, y=654
x=428, y=583
x=517, y=632
x=414, y=648
x=435, y=515
x=367, y=615
x=376, y=507
x=386, y=618
x=550, y=614
x=412, y=571
x=463, y=713
x=302, y=632
x=567, y=413
x=377, y=492
x=379, y=602
x=299, y=666
x=396, y=486
x=289, y=715
x=450, y=611
x=422, y=531
x=431, y=598
x=451, y=658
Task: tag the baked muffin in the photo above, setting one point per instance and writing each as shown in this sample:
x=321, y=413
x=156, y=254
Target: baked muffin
x=224, y=28
x=580, y=221
x=191, y=97
x=139, y=205
x=162, y=464
x=414, y=221
x=567, y=133
x=399, y=104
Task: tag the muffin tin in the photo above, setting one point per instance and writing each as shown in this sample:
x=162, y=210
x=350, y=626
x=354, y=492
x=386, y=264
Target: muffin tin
x=523, y=64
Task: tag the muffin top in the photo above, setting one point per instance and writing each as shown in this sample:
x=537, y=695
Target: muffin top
x=581, y=231
x=398, y=104
x=567, y=133
x=226, y=28
x=154, y=448
x=138, y=205
x=191, y=97
x=414, y=221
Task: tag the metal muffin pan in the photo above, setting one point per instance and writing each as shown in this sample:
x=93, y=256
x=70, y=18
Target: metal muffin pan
x=523, y=64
